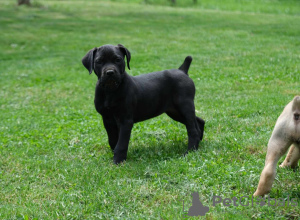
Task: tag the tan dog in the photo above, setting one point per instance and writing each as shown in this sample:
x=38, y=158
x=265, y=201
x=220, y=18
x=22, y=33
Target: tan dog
x=286, y=133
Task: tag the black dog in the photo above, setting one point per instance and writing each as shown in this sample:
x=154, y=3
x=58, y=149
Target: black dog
x=123, y=100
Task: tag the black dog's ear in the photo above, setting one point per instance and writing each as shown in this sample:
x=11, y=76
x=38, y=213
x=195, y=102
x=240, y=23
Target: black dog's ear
x=126, y=52
x=88, y=60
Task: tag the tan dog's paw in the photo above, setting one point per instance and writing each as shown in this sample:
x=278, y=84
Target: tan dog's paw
x=284, y=165
x=260, y=193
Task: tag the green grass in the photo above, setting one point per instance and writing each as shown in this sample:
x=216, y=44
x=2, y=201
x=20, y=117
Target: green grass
x=264, y=6
x=55, y=162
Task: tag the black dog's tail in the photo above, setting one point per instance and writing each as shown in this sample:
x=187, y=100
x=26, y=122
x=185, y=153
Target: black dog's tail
x=186, y=64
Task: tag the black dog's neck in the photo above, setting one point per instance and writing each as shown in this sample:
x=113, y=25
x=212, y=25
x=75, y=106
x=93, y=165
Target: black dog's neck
x=109, y=99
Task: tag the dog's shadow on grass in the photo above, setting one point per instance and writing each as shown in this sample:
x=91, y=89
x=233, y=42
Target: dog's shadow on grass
x=161, y=151
x=156, y=141
x=157, y=152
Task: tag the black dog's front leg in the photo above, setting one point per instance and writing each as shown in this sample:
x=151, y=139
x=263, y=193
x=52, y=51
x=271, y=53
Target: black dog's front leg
x=112, y=130
x=120, y=152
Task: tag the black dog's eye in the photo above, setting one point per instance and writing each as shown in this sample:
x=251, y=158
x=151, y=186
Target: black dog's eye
x=118, y=60
x=98, y=60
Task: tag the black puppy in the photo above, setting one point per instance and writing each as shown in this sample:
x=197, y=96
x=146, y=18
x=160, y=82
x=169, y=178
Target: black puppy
x=123, y=100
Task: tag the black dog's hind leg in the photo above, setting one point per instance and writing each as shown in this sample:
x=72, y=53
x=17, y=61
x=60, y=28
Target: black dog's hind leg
x=200, y=124
x=187, y=110
x=185, y=113
x=112, y=130
x=193, y=134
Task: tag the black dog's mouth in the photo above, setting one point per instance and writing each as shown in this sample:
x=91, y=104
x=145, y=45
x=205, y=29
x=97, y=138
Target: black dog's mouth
x=110, y=83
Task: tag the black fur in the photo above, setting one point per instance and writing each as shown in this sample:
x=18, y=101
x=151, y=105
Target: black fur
x=123, y=100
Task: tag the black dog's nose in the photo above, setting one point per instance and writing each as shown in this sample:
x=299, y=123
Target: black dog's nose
x=109, y=72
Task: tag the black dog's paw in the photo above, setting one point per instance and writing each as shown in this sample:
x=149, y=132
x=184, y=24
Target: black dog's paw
x=119, y=159
x=193, y=149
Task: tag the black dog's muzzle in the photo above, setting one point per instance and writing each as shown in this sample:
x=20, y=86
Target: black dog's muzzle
x=109, y=71
x=110, y=79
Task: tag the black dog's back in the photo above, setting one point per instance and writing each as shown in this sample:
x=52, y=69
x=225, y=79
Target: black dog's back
x=186, y=64
x=158, y=91
x=164, y=84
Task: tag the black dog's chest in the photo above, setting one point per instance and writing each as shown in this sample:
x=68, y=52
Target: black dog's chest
x=110, y=103
x=107, y=104
x=105, y=101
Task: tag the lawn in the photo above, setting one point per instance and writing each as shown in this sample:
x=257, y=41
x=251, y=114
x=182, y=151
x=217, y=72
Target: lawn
x=55, y=161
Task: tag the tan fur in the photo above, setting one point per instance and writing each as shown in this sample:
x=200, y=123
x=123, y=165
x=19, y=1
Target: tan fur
x=286, y=133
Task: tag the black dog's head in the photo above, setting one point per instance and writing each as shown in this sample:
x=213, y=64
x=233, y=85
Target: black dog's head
x=108, y=64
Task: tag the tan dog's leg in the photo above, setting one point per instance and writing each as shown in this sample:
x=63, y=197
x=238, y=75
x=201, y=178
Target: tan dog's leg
x=285, y=133
x=276, y=148
x=292, y=157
